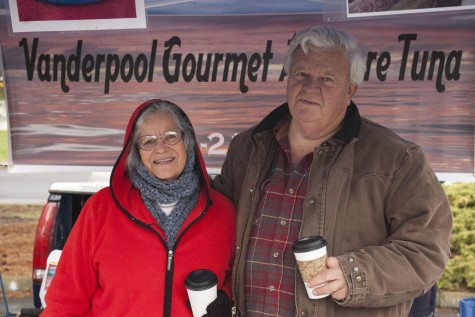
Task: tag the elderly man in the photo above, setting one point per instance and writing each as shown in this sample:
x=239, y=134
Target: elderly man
x=314, y=166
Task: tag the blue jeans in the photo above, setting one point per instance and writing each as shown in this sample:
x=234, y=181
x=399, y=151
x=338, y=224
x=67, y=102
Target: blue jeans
x=424, y=305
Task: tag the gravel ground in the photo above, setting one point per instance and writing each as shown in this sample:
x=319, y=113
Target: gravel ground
x=15, y=304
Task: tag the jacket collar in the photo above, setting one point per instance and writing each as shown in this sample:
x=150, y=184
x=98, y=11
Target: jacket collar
x=349, y=130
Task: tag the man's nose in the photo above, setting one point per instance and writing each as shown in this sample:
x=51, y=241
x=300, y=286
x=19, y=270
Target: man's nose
x=312, y=84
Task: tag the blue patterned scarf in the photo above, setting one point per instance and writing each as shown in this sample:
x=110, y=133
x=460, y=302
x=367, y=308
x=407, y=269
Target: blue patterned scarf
x=184, y=191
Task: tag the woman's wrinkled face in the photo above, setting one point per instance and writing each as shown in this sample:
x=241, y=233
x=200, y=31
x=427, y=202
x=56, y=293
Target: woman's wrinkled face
x=164, y=161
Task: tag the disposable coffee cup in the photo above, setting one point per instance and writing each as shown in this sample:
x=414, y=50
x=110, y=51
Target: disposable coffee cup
x=311, y=256
x=201, y=286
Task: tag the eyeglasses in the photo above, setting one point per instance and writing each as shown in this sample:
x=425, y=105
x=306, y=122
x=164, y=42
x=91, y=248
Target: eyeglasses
x=149, y=142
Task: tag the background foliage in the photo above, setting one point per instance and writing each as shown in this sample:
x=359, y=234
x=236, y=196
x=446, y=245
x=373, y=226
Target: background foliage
x=3, y=146
x=460, y=271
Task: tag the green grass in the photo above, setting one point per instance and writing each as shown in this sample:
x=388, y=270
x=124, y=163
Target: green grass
x=3, y=146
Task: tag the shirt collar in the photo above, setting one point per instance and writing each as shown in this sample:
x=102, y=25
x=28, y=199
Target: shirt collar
x=279, y=119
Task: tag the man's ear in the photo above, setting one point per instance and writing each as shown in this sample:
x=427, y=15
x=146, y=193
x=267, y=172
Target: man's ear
x=351, y=92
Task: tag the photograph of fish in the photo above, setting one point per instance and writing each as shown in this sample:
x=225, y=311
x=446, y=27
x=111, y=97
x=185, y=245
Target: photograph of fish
x=385, y=7
x=76, y=15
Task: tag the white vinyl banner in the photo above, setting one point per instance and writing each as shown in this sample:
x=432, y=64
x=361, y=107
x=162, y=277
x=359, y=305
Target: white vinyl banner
x=70, y=94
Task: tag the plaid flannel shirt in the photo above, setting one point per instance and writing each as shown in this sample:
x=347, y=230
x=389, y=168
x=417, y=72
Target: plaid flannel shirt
x=270, y=263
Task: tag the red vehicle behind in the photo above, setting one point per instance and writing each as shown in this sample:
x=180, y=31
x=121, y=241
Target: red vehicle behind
x=59, y=214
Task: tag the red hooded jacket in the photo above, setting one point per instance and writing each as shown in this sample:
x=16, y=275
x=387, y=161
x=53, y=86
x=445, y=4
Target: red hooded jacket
x=116, y=261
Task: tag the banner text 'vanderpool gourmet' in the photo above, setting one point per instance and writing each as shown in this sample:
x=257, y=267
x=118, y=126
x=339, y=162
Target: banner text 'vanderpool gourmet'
x=213, y=67
x=202, y=68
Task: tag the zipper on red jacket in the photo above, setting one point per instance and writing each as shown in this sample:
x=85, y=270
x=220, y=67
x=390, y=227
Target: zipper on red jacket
x=169, y=260
x=167, y=303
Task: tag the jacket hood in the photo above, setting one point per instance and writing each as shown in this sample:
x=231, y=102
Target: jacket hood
x=122, y=190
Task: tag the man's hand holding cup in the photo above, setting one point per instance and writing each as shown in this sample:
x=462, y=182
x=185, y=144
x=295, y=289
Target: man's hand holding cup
x=330, y=281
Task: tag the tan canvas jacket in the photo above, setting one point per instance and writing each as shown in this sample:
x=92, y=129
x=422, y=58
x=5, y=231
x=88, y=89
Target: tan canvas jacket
x=372, y=196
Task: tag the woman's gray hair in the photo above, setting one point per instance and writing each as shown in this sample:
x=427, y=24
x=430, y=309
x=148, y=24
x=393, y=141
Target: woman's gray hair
x=160, y=106
x=322, y=37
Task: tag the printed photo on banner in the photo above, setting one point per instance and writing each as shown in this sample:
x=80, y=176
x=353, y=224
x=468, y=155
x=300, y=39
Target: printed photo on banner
x=367, y=8
x=76, y=15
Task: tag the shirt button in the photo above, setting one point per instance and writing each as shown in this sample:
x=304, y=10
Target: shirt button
x=275, y=254
x=356, y=269
x=359, y=279
x=311, y=201
x=251, y=190
x=271, y=288
x=283, y=222
x=291, y=191
x=350, y=259
x=303, y=313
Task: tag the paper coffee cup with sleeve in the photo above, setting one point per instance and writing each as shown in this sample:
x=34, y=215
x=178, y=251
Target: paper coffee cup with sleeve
x=311, y=255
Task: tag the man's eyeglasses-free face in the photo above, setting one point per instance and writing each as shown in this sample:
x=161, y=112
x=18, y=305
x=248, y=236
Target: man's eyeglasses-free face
x=149, y=142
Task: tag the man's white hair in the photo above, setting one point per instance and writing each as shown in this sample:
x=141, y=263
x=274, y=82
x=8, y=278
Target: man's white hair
x=322, y=37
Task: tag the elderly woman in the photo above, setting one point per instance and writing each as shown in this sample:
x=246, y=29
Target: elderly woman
x=136, y=241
